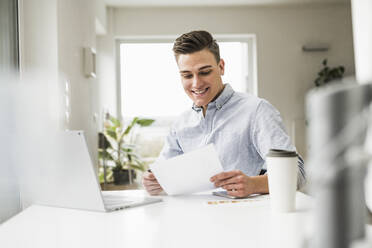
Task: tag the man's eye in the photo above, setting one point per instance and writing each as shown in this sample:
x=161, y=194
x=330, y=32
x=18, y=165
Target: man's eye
x=205, y=72
x=188, y=76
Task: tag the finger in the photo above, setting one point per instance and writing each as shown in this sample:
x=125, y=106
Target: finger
x=155, y=191
x=146, y=180
x=237, y=193
x=232, y=180
x=152, y=188
x=149, y=180
x=228, y=181
x=149, y=175
x=150, y=183
x=224, y=175
x=233, y=187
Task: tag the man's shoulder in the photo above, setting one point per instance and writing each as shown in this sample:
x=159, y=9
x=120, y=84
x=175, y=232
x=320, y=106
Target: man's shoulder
x=250, y=103
x=246, y=100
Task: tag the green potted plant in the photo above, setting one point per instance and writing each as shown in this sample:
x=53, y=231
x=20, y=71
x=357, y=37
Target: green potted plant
x=119, y=149
x=328, y=74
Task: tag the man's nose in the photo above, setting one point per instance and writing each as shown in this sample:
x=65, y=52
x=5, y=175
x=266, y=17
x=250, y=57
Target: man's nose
x=196, y=81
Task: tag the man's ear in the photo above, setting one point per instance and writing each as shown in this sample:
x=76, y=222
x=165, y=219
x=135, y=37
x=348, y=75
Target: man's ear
x=221, y=67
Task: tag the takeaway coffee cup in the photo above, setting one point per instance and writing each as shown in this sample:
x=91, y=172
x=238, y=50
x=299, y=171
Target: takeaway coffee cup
x=282, y=174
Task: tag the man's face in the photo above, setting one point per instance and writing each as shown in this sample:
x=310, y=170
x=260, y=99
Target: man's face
x=201, y=76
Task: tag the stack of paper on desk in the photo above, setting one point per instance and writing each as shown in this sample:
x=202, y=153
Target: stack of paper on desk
x=188, y=173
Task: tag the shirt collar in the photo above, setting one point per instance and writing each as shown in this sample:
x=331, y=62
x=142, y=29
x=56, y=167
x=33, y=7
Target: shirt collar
x=221, y=99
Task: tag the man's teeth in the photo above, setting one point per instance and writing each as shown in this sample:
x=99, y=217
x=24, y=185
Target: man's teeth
x=200, y=91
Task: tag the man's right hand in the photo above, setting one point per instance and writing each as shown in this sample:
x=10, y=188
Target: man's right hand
x=151, y=184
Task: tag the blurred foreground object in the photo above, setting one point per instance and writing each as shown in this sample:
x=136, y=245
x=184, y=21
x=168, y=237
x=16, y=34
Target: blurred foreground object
x=9, y=188
x=338, y=122
x=31, y=112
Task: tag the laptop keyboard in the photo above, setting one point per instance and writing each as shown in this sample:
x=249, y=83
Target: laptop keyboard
x=115, y=200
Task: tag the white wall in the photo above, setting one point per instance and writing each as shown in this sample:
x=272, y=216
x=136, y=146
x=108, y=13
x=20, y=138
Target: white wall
x=76, y=30
x=285, y=73
x=53, y=35
x=38, y=37
x=100, y=17
x=106, y=69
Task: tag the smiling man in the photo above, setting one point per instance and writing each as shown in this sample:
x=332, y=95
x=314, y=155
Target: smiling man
x=242, y=127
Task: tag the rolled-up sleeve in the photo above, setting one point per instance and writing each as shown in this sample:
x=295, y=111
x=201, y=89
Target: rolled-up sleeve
x=268, y=132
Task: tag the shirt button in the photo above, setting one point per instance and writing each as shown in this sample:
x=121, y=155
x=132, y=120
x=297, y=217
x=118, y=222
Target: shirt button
x=218, y=106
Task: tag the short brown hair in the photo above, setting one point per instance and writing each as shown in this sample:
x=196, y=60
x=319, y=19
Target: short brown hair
x=196, y=41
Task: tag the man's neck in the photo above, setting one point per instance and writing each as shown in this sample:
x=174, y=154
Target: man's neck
x=217, y=95
x=204, y=109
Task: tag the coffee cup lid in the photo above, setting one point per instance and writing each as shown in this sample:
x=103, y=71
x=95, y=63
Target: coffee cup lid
x=281, y=153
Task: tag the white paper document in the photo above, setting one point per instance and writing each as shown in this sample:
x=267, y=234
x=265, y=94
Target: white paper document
x=188, y=173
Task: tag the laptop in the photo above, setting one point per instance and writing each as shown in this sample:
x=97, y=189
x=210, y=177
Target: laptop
x=58, y=171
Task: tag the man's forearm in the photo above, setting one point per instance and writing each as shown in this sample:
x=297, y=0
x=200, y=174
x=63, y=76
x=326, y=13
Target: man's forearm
x=260, y=184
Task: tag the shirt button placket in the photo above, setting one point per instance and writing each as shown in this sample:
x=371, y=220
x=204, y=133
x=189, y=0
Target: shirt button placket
x=208, y=125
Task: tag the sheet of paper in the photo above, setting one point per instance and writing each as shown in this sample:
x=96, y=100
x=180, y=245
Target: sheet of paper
x=188, y=173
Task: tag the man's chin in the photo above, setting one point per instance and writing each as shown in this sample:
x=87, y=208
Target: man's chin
x=200, y=103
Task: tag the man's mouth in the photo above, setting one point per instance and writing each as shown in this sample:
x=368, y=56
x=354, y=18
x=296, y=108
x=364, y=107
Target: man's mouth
x=200, y=92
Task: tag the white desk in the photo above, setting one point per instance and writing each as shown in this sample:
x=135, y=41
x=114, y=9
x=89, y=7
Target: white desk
x=185, y=221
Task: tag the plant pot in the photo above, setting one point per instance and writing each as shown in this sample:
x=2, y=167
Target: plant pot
x=122, y=176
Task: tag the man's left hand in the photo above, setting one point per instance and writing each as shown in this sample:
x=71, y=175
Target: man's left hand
x=235, y=182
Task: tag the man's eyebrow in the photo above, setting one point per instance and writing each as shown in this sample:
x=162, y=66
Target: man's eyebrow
x=204, y=67
x=201, y=68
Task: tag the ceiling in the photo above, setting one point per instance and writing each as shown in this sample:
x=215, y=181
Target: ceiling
x=155, y=3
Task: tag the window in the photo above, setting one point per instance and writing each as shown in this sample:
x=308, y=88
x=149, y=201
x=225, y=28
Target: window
x=150, y=82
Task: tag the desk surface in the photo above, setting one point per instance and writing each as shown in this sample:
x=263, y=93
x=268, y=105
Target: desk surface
x=183, y=221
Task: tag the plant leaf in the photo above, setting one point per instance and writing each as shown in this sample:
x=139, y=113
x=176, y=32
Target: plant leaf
x=136, y=166
x=104, y=154
x=127, y=130
x=111, y=134
x=127, y=150
x=128, y=146
x=121, y=154
x=115, y=121
x=111, y=128
x=145, y=122
x=317, y=81
x=328, y=74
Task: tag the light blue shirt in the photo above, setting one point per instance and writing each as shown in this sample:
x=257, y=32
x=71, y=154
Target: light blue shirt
x=242, y=127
